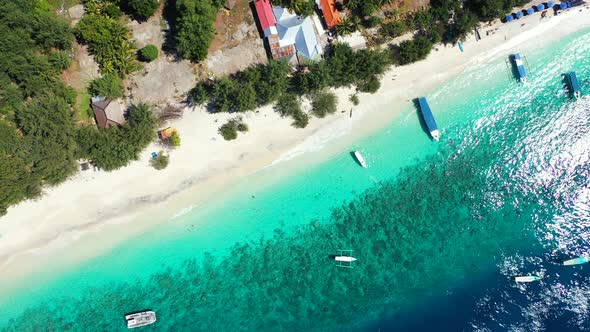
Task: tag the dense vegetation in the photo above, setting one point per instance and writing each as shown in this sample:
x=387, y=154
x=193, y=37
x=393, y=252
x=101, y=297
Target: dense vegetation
x=323, y=103
x=244, y=91
x=114, y=147
x=109, y=86
x=192, y=26
x=289, y=104
x=40, y=141
x=161, y=161
x=108, y=39
x=491, y=9
x=149, y=53
x=141, y=9
x=265, y=84
x=37, y=129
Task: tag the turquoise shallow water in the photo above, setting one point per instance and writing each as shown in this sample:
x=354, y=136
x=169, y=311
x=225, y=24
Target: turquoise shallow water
x=507, y=185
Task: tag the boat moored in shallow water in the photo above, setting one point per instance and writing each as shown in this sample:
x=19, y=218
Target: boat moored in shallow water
x=519, y=64
x=527, y=278
x=360, y=159
x=577, y=261
x=140, y=319
x=344, y=258
x=573, y=84
x=429, y=118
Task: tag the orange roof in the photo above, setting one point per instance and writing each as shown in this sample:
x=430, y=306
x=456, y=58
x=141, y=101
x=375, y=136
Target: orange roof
x=166, y=133
x=331, y=14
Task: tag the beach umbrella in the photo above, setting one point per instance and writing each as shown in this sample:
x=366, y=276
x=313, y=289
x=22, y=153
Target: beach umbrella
x=530, y=11
x=562, y=5
x=519, y=15
x=550, y=4
x=540, y=7
x=509, y=18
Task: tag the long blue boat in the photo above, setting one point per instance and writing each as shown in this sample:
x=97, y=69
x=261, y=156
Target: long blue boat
x=517, y=62
x=428, y=118
x=573, y=84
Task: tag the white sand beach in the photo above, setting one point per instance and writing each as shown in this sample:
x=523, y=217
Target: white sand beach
x=94, y=211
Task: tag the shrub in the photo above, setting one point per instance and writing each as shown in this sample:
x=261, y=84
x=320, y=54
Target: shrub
x=230, y=129
x=372, y=22
x=174, y=140
x=109, y=86
x=113, y=11
x=354, y=99
x=199, y=95
x=370, y=85
x=161, y=161
x=414, y=50
x=148, y=53
x=60, y=60
x=323, y=103
x=242, y=127
x=142, y=9
x=300, y=119
x=393, y=29
x=193, y=28
x=288, y=104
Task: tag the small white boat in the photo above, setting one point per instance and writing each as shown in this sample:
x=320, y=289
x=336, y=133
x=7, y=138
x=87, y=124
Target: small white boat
x=140, y=319
x=360, y=159
x=344, y=259
x=527, y=278
x=577, y=261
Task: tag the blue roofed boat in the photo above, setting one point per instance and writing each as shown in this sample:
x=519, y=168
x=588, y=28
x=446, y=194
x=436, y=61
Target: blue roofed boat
x=573, y=84
x=519, y=64
x=428, y=118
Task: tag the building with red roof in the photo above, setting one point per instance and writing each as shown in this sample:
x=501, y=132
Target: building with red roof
x=331, y=14
x=266, y=17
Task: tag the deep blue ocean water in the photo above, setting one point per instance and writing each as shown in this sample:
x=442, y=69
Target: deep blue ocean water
x=439, y=229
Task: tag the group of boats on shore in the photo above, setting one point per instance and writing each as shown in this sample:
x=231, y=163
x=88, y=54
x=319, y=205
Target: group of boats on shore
x=518, y=63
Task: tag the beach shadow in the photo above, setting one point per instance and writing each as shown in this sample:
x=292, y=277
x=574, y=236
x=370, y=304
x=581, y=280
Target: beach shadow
x=420, y=118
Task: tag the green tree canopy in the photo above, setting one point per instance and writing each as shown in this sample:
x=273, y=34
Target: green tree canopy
x=149, y=53
x=142, y=9
x=323, y=103
x=193, y=28
x=114, y=147
x=109, y=86
x=109, y=41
